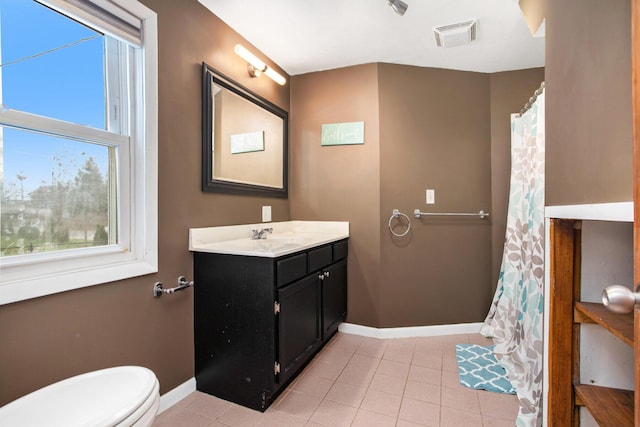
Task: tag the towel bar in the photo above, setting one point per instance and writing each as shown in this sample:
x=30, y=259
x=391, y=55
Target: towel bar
x=482, y=214
x=183, y=283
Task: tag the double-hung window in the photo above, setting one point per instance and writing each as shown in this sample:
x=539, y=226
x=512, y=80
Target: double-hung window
x=78, y=144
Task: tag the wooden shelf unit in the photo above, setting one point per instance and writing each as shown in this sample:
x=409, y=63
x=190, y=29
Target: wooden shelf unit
x=620, y=325
x=608, y=406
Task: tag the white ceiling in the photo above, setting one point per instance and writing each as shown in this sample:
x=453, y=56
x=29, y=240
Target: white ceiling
x=302, y=36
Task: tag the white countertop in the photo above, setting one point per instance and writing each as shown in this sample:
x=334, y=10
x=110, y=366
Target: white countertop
x=288, y=237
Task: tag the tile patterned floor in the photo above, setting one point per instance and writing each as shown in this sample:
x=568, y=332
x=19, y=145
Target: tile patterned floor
x=365, y=382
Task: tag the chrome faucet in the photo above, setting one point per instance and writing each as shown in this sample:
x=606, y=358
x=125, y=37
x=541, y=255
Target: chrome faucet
x=260, y=234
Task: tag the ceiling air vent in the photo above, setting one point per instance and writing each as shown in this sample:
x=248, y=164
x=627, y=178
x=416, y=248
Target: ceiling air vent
x=456, y=34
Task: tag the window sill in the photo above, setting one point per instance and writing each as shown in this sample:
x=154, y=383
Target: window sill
x=20, y=290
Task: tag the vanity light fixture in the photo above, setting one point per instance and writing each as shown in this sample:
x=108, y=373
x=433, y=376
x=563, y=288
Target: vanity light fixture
x=398, y=6
x=256, y=66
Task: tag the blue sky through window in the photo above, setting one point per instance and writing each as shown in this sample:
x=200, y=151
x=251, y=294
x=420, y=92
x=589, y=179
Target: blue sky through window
x=67, y=83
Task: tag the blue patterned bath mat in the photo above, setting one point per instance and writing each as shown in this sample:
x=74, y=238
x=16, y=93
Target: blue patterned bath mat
x=479, y=369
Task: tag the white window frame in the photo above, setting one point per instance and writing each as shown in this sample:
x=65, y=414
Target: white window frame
x=34, y=275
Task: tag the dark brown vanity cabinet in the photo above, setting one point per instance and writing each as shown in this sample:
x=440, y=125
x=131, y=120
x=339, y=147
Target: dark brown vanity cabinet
x=258, y=321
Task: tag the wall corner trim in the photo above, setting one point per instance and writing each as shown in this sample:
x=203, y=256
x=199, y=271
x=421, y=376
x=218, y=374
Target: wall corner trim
x=174, y=396
x=411, y=331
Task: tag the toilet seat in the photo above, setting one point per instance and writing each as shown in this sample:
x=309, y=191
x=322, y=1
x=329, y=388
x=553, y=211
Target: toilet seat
x=119, y=396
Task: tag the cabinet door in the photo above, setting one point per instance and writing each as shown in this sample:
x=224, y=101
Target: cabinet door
x=334, y=297
x=299, y=324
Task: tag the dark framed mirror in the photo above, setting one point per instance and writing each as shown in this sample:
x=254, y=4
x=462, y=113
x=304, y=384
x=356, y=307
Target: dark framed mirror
x=244, y=139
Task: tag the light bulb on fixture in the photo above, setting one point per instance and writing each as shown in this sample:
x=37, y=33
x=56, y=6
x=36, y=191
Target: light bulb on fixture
x=256, y=66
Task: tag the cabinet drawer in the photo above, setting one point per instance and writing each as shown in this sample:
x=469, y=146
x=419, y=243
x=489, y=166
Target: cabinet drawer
x=319, y=258
x=290, y=269
x=340, y=250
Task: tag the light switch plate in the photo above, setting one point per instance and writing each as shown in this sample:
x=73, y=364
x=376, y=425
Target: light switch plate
x=431, y=197
x=266, y=214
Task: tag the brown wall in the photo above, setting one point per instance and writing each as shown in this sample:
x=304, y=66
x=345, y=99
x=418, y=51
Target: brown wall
x=588, y=102
x=46, y=339
x=435, y=132
x=424, y=128
x=510, y=90
x=341, y=182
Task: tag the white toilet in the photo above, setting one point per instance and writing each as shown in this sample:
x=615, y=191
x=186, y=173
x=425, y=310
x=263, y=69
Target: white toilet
x=121, y=396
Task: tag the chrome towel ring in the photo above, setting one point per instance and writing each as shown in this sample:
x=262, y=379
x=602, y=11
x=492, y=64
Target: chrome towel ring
x=396, y=214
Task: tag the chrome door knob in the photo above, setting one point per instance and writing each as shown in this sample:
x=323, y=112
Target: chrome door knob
x=620, y=299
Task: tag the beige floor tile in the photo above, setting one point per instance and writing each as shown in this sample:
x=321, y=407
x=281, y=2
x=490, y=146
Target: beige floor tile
x=298, y=404
x=371, y=419
x=423, y=343
x=323, y=369
x=498, y=405
x=239, y=416
x=356, y=376
x=428, y=359
x=425, y=375
x=334, y=355
x=381, y=403
x=394, y=369
x=455, y=339
x=346, y=342
x=479, y=339
x=364, y=362
x=451, y=417
x=312, y=385
x=497, y=422
x=449, y=352
x=449, y=364
x=399, y=351
x=463, y=399
x=387, y=383
x=334, y=414
x=428, y=349
x=190, y=398
x=209, y=406
x=312, y=424
x=451, y=380
x=405, y=423
x=346, y=394
x=180, y=417
x=420, y=412
x=422, y=391
x=275, y=418
x=372, y=347
x=280, y=397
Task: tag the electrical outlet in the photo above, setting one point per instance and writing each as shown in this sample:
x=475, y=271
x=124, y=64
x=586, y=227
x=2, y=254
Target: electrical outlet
x=266, y=214
x=431, y=197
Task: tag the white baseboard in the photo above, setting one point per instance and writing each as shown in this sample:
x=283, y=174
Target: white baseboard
x=411, y=331
x=174, y=396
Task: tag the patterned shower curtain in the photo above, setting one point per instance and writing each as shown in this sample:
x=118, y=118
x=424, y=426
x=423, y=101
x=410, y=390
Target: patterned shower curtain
x=515, y=317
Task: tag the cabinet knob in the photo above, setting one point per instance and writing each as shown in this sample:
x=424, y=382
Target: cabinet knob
x=326, y=274
x=321, y=276
x=620, y=299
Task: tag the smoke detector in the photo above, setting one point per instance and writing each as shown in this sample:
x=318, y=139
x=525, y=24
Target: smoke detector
x=456, y=34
